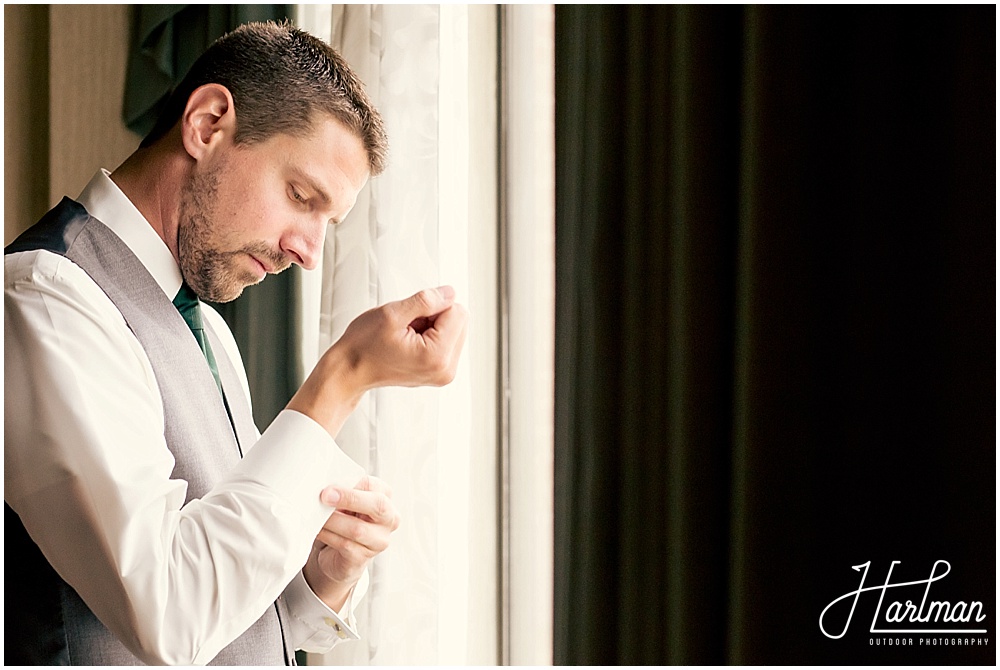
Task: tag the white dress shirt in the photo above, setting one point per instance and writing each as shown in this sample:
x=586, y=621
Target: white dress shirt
x=87, y=468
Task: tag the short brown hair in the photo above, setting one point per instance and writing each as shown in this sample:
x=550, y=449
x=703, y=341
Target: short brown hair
x=280, y=77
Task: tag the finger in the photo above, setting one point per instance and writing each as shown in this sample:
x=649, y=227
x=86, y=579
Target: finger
x=372, y=483
x=332, y=495
x=450, y=327
x=373, y=536
x=447, y=338
x=377, y=506
x=426, y=303
x=353, y=552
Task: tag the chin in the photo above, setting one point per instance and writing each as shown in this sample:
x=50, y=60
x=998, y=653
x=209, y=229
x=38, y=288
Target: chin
x=224, y=294
x=229, y=298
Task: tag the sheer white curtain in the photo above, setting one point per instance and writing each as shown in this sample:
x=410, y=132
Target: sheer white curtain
x=430, y=219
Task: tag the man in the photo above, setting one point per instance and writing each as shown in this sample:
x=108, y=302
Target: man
x=147, y=520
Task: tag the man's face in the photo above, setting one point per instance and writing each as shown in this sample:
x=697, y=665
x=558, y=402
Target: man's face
x=255, y=209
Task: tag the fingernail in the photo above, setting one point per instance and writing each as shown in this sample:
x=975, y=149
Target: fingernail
x=447, y=292
x=331, y=496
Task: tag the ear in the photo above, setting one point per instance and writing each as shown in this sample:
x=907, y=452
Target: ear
x=209, y=120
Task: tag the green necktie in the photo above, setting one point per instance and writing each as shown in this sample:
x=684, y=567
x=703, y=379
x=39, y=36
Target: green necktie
x=187, y=304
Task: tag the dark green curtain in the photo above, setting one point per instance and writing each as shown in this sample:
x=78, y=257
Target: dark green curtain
x=166, y=40
x=775, y=267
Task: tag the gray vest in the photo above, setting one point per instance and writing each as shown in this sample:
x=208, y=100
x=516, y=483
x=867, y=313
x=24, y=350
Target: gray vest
x=58, y=627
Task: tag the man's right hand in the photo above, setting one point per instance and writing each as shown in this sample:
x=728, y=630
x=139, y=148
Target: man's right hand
x=412, y=342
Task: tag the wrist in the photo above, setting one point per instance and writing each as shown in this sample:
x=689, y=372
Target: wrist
x=334, y=593
x=332, y=390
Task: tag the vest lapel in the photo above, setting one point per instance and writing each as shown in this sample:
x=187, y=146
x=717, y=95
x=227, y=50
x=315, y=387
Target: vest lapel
x=239, y=408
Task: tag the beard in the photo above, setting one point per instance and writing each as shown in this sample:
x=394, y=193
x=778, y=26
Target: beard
x=215, y=274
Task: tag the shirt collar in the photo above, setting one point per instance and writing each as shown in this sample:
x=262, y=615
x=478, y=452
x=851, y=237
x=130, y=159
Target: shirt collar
x=105, y=202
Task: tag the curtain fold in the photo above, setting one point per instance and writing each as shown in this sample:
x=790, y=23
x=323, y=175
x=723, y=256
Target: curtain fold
x=411, y=229
x=166, y=41
x=774, y=322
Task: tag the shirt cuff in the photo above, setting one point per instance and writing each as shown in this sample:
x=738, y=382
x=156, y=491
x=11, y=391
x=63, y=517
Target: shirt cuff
x=297, y=458
x=315, y=627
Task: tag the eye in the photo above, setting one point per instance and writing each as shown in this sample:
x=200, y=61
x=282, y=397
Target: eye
x=296, y=196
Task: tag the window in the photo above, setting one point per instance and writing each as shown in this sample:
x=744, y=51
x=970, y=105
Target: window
x=468, y=577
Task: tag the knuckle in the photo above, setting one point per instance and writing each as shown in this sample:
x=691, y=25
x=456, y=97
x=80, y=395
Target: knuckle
x=443, y=366
x=438, y=370
x=373, y=483
x=381, y=507
x=361, y=553
x=424, y=298
x=382, y=318
x=344, y=543
x=384, y=509
x=351, y=553
x=358, y=533
x=331, y=539
x=444, y=374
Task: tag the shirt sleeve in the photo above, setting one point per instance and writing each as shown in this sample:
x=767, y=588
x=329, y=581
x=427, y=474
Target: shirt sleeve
x=90, y=479
x=314, y=627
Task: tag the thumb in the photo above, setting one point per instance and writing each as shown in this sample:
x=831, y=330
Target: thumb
x=330, y=496
x=428, y=302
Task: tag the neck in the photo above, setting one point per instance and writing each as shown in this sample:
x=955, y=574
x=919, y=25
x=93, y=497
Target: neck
x=151, y=179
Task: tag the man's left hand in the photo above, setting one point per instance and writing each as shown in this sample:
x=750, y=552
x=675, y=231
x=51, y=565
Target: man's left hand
x=356, y=532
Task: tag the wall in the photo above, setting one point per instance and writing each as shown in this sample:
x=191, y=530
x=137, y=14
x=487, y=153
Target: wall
x=62, y=103
x=25, y=115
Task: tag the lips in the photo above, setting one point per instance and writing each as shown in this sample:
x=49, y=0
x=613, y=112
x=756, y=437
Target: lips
x=263, y=269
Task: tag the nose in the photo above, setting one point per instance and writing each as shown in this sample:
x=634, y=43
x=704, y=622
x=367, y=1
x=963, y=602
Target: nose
x=303, y=245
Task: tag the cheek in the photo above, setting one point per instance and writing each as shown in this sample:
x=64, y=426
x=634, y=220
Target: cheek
x=262, y=220
x=254, y=207
x=241, y=212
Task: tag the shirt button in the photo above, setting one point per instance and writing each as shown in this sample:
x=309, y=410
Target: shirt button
x=336, y=626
